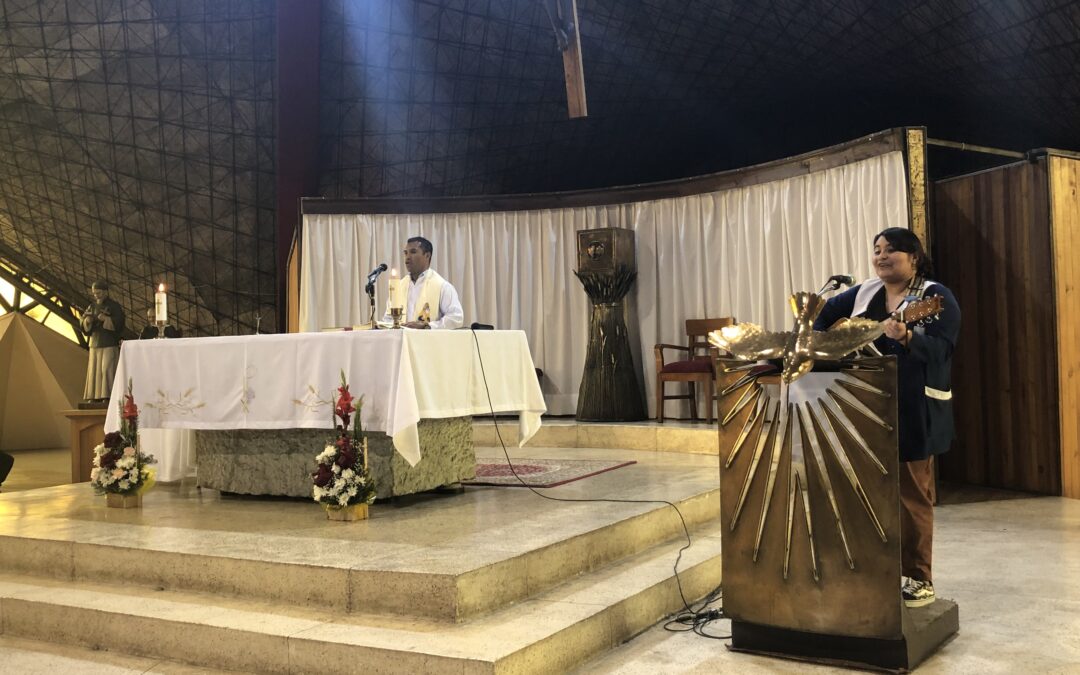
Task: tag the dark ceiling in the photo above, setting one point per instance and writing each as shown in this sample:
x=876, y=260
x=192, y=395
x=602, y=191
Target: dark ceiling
x=139, y=137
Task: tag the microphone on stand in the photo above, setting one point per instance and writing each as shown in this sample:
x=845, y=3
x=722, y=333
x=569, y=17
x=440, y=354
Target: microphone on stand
x=373, y=276
x=835, y=281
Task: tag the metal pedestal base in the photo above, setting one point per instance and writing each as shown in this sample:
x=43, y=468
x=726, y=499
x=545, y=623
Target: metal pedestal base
x=925, y=630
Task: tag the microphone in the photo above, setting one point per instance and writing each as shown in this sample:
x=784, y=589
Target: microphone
x=376, y=272
x=369, y=287
x=835, y=281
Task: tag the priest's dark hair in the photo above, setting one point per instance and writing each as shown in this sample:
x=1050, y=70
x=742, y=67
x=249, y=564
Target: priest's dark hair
x=425, y=245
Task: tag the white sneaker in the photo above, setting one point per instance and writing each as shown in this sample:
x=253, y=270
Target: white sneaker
x=918, y=593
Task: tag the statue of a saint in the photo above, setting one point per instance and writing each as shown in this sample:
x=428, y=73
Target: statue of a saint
x=102, y=322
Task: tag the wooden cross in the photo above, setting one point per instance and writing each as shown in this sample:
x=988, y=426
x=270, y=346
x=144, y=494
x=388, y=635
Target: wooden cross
x=564, y=21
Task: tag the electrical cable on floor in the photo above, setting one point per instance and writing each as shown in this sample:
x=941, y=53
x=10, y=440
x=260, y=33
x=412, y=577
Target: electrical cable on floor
x=698, y=617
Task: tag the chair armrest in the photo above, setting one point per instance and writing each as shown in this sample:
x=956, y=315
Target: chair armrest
x=659, y=350
x=660, y=347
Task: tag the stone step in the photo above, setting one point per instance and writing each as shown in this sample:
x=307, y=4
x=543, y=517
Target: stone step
x=452, y=578
x=697, y=438
x=553, y=632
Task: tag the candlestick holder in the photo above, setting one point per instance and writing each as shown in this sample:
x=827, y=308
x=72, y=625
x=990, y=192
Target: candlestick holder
x=396, y=314
x=160, y=329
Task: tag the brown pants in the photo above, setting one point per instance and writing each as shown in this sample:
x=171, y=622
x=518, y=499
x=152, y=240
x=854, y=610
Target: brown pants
x=917, y=518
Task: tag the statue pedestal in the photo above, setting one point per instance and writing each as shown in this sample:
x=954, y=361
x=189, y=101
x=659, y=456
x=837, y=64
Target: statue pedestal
x=87, y=432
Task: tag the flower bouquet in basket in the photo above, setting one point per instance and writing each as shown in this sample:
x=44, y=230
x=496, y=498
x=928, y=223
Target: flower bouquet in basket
x=121, y=470
x=343, y=484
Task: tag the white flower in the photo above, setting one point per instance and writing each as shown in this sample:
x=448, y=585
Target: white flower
x=347, y=474
x=336, y=468
x=352, y=492
x=94, y=473
x=343, y=500
x=124, y=485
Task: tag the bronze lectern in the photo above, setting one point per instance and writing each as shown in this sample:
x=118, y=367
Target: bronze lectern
x=810, y=506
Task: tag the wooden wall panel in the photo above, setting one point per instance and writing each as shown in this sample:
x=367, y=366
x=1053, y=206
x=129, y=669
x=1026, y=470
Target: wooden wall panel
x=992, y=244
x=1065, y=216
x=292, y=287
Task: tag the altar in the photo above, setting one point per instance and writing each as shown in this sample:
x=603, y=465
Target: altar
x=261, y=405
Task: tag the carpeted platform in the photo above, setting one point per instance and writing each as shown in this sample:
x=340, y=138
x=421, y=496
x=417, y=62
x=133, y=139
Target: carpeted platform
x=541, y=473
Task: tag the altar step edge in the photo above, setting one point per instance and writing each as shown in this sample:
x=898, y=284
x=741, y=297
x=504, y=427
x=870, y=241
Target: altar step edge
x=699, y=439
x=554, y=632
x=393, y=592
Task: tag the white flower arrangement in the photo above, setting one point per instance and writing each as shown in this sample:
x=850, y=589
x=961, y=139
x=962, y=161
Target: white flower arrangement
x=119, y=466
x=342, y=477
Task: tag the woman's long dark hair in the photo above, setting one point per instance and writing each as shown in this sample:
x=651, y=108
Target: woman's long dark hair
x=904, y=240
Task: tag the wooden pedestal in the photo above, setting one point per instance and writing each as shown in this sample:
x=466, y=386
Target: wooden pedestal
x=87, y=432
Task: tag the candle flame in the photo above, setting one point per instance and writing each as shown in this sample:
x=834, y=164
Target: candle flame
x=161, y=288
x=393, y=272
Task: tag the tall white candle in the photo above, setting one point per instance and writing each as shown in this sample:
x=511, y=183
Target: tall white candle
x=394, y=281
x=161, y=305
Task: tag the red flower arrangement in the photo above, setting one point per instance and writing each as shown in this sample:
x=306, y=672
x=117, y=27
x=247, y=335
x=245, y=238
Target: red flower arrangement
x=342, y=478
x=120, y=467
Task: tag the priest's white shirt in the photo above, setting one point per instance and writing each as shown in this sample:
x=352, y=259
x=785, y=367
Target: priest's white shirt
x=451, y=314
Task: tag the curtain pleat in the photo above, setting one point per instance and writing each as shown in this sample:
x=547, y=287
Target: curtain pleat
x=738, y=252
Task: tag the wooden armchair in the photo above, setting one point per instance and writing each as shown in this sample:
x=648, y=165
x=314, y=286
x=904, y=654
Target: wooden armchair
x=695, y=366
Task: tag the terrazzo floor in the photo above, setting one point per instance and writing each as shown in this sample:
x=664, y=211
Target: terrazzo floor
x=1013, y=567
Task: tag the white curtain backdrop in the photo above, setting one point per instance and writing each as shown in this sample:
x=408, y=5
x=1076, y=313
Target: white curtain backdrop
x=737, y=252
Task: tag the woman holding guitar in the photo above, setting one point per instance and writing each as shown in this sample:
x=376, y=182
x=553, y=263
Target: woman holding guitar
x=924, y=363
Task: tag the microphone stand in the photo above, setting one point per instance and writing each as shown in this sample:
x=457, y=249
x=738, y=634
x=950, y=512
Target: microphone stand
x=370, y=289
x=834, y=283
x=831, y=286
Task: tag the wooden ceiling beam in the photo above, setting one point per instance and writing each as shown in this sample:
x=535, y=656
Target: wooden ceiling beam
x=564, y=21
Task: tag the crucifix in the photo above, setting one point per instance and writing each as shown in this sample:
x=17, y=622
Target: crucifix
x=564, y=21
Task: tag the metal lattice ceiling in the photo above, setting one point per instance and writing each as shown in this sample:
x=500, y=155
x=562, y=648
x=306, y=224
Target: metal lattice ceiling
x=460, y=97
x=138, y=147
x=137, y=137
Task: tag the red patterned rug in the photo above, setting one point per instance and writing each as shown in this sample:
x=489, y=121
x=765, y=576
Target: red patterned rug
x=541, y=473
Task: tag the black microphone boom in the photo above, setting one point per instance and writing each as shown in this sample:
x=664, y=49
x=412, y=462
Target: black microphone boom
x=835, y=282
x=376, y=272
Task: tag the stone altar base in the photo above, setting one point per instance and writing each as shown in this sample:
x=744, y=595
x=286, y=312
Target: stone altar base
x=280, y=461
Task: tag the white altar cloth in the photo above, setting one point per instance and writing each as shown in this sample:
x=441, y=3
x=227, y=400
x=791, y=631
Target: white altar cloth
x=174, y=450
x=288, y=381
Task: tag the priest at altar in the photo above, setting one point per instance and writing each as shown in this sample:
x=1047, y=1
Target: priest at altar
x=429, y=300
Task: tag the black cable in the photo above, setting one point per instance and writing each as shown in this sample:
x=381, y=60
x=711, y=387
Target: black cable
x=686, y=531
x=698, y=620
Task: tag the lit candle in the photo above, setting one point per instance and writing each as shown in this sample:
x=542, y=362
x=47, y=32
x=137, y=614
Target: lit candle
x=161, y=305
x=393, y=288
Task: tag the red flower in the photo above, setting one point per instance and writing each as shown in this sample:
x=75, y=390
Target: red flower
x=346, y=459
x=107, y=460
x=131, y=411
x=344, y=403
x=114, y=440
x=323, y=475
